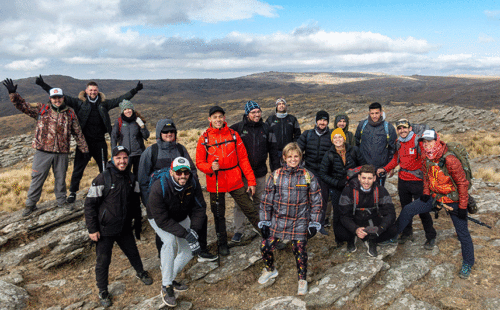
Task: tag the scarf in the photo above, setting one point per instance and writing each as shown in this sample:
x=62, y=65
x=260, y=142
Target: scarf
x=375, y=124
x=342, y=152
x=281, y=115
x=93, y=100
x=178, y=187
x=129, y=119
x=408, y=138
x=436, y=151
x=320, y=132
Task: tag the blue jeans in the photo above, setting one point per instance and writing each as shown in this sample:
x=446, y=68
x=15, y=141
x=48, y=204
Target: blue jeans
x=461, y=226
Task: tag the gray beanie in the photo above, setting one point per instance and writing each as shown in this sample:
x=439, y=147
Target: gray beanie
x=125, y=104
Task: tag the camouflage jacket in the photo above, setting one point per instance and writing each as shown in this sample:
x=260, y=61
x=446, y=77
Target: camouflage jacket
x=53, y=128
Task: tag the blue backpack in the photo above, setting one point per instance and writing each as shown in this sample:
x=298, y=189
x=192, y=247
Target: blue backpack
x=162, y=175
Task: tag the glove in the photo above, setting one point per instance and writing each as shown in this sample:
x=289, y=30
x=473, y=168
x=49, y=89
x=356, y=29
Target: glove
x=462, y=213
x=265, y=231
x=139, y=86
x=425, y=198
x=311, y=232
x=138, y=228
x=11, y=88
x=194, y=245
x=139, y=122
x=372, y=230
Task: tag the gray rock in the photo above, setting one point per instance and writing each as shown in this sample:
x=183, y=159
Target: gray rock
x=156, y=303
x=54, y=308
x=454, y=302
x=55, y=283
x=399, y=278
x=149, y=264
x=76, y=305
x=200, y=270
x=491, y=304
x=116, y=288
x=281, y=303
x=408, y=302
x=346, y=279
x=12, y=297
x=442, y=275
x=14, y=277
x=495, y=242
x=89, y=305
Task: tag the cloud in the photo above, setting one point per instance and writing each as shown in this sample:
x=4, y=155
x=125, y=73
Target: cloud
x=484, y=38
x=27, y=65
x=492, y=14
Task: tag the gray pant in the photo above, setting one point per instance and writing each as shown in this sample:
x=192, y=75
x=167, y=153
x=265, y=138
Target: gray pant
x=239, y=216
x=175, y=252
x=42, y=161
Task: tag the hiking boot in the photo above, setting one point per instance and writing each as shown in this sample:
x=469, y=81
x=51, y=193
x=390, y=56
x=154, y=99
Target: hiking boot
x=179, y=287
x=28, y=210
x=372, y=248
x=223, y=249
x=145, y=278
x=327, y=223
x=464, y=272
x=302, y=290
x=168, y=296
x=429, y=244
x=351, y=246
x=206, y=256
x=71, y=197
x=237, y=237
x=323, y=231
x=267, y=275
x=403, y=238
x=105, y=299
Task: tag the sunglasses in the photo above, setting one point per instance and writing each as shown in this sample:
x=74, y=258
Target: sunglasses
x=183, y=172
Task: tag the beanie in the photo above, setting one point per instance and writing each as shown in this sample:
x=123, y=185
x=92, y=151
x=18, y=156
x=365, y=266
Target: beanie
x=215, y=109
x=322, y=115
x=281, y=100
x=338, y=131
x=126, y=104
x=251, y=105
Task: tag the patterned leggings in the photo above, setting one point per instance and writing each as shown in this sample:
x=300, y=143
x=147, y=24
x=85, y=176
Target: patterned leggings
x=268, y=246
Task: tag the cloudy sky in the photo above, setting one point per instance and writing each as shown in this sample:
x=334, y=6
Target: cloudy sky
x=132, y=39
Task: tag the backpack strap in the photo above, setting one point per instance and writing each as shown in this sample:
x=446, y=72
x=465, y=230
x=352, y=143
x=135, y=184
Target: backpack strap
x=43, y=110
x=355, y=195
x=386, y=129
x=107, y=183
x=154, y=155
x=120, y=123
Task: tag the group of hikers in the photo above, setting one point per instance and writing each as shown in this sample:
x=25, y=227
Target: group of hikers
x=288, y=204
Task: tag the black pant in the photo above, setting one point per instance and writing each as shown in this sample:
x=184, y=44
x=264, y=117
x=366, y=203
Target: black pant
x=96, y=148
x=325, y=193
x=335, y=195
x=342, y=234
x=409, y=191
x=133, y=161
x=104, y=248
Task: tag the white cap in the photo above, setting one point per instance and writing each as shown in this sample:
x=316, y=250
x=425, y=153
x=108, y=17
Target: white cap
x=56, y=92
x=180, y=163
x=429, y=134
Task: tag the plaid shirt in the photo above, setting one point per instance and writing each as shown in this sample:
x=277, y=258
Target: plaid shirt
x=291, y=204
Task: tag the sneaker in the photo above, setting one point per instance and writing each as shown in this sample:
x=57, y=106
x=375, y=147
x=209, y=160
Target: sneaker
x=266, y=275
x=403, y=238
x=206, y=256
x=71, y=198
x=323, y=231
x=429, y=244
x=327, y=223
x=168, y=296
x=351, y=246
x=145, y=278
x=302, y=290
x=389, y=242
x=372, y=248
x=237, y=237
x=464, y=272
x=105, y=299
x=223, y=250
x=179, y=287
x=28, y=210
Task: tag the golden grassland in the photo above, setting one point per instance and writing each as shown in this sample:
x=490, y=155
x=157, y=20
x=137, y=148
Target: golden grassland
x=14, y=183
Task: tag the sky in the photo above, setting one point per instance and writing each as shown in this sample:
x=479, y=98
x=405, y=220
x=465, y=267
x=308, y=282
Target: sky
x=131, y=39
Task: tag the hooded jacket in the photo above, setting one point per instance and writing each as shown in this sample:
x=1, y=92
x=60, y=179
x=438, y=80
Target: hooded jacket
x=333, y=171
x=113, y=214
x=130, y=135
x=314, y=148
x=232, y=156
x=167, y=152
x=385, y=216
x=54, y=128
x=259, y=142
x=291, y=204
x=285, y=129
x=349, y=135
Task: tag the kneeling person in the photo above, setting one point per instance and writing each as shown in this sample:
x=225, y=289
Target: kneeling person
x=111, y=204
x=366, y=212
x=176, y=211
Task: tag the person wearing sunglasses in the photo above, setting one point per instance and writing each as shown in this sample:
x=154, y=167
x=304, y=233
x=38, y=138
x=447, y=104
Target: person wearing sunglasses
x=177, y=212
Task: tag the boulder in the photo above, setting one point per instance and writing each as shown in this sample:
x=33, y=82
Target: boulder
x=12, y=297
x=281, y=303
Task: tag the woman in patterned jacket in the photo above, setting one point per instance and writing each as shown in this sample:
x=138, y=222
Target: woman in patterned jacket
x=290, y=210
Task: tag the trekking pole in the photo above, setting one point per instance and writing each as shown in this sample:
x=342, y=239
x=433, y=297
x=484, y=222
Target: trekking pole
x=471, y=219
x=217, y=231
x=381, y=177
x=103, y=160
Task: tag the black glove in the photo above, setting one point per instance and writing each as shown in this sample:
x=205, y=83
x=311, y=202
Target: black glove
x=462, y=213
x=425, y=198
x=138, y=228
x=265, y=231
x=11, y=88
x=311, y=232
x=39, y=81
x=372, y=230
x=194, y=245
x=139, y=86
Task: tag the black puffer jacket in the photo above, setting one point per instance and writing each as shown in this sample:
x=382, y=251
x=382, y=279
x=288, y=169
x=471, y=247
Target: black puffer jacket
x=333, y=171
x=286, y=129
x=259, y=142
x=113, y=214
x=314, y=148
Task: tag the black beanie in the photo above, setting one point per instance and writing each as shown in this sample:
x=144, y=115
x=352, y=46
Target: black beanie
x=322, y=115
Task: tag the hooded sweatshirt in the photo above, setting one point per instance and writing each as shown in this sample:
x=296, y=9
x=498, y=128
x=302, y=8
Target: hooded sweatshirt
x=349, y=135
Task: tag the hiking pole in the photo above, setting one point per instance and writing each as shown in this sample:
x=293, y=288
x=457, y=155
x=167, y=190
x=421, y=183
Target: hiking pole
x=217, y=231
x=103, y=160
x=471, y=219
x=382, y=176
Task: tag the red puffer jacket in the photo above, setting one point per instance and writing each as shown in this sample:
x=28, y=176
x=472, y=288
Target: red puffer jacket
x=232, y=156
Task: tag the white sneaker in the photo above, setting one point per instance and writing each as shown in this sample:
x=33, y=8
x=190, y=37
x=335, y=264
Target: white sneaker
x=266, y=275
x=302, y=287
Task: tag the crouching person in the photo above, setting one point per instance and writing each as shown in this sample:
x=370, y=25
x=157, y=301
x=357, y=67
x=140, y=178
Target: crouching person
x=112, y=203
x=176, y=211
x=289, y=210
x=366, y=212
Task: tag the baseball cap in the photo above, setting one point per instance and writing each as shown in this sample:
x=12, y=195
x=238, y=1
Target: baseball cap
x=215, y=109
x=180, y=163
x=429, y=134
x=403, y=123
x=56, y=92
x=118, y=149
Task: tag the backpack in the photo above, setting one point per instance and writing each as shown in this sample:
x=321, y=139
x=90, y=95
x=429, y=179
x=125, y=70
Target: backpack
x=386, y=128
x=46, y=107
x=162, y=175
x=108, y=182
x=355, y=195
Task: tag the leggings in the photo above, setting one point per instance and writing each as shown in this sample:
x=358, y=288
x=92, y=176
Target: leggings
x=268, y=246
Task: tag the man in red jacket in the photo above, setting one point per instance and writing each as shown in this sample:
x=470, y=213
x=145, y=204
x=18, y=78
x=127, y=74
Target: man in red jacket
x=221, y=155
x=410, y=182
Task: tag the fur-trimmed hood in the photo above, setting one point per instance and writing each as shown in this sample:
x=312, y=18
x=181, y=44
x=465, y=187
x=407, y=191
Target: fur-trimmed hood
x=82, y=96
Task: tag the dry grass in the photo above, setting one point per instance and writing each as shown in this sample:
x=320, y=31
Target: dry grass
x=477, y=143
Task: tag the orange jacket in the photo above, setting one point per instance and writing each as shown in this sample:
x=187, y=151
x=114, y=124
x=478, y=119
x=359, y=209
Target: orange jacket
x=232, y=156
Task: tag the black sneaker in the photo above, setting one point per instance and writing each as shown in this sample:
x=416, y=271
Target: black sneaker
x=71, y=198
x=323, y=231
x=223, y=250
x=351, y=246
x=144, y=277
x=168, y=296
x=372, y=248
x=206, y=256
x=179, y=287
x=429, y=244
x=403, y=238
x=105, y=299
x=28, y=210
